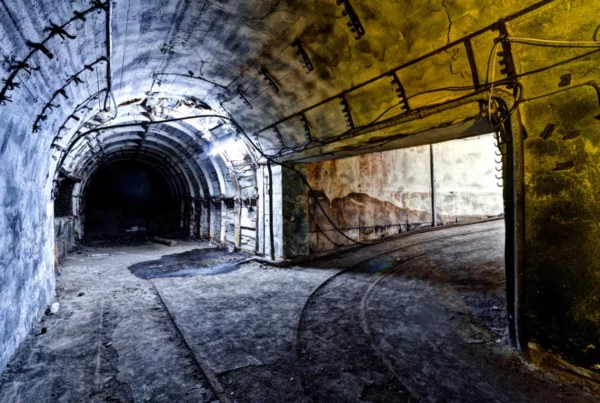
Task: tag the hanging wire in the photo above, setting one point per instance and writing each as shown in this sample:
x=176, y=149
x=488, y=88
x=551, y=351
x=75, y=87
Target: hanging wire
x=553, y=42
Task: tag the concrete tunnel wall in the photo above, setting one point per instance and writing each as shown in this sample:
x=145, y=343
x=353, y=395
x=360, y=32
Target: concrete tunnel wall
x=26, y=233
x=382, y=194
x=419, y=73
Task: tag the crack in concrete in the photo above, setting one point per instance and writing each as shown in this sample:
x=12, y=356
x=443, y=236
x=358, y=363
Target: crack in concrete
x=106, y=370
x=449, y=22
x=124, y=46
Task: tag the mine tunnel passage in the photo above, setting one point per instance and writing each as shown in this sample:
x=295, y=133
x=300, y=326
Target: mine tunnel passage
x=409, y=319
x=299, y=201
x=129, y=196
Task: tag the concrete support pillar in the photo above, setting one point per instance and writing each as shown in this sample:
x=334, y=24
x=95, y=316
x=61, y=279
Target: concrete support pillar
x=270, y=217
x=433, y=186
x=211, y=220
x=237, y=237
x=295, y=212
x=271, y=212
x=222, y=223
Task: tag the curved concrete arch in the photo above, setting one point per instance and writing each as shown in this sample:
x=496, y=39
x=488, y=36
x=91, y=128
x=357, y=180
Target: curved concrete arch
x=183, y=128
x=161, y=159
x=181, y=187
x=150, y=143
x=186, y=147
x=173, y=180
x=114, y=147
x=197, y=173
x=191, y=128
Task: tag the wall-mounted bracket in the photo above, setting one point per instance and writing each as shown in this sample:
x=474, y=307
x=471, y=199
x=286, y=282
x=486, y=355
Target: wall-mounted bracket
x=25, y=67
x=39, y=46
x=244, y=99
x=50, y=107
x=506, y=56
x=11, y=85
x=4, y=99
x=306, y=127
x=347, y=113
x=305, y=61
x=58, y=30
x=100, y=5
x=80, y=16
x=354, y=24
x=76, y=80
x=400, y=93
x=267, y=77
x=61, y=92
x=279, y=136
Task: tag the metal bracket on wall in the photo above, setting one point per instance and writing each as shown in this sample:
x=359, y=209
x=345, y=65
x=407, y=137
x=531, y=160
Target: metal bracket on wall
x=61, y=91
x=26, y=67
x=354, y=24
x=346, y=111
x=248, y=104
x=266, y=76
x=400, y=93
x=98, y=4
x=80, y=107
x=279, y=137
x=54, y=30
x=305, y=61
x=306, y=128
x=506, y=56
x=58, y=30
x=40, y=46
x=4, y=99
x=11, y=84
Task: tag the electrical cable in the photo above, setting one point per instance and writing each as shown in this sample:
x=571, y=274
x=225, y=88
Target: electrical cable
x=533, y=41
x=305, y=181
x=493, y=65
x=271, y=159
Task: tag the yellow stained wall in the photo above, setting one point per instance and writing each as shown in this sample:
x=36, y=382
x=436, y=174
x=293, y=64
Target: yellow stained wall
x=560, y=275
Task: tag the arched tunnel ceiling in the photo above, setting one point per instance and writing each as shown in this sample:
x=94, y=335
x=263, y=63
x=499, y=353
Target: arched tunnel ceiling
x=216, y=52
x=294, y=76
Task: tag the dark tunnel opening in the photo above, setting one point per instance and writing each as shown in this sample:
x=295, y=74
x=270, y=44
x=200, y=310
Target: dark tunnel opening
x=129, y=199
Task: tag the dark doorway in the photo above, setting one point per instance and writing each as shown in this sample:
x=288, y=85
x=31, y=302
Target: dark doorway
x=129, y=198
x=63, y=204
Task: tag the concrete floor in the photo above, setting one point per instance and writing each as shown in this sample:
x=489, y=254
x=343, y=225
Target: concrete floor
x=415, y=319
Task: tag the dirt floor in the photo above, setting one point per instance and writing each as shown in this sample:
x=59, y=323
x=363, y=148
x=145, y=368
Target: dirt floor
x=418, y=319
